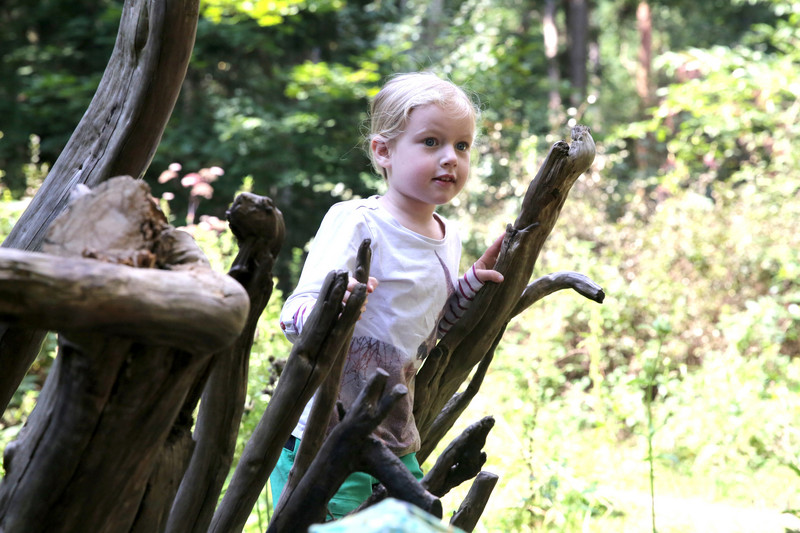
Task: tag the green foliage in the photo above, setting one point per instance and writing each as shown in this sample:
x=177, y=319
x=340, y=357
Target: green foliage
x=266, y=13
x=53, y=55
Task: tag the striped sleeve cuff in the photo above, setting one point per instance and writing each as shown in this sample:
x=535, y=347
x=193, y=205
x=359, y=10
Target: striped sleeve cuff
x=295, y=327
x=466, y=289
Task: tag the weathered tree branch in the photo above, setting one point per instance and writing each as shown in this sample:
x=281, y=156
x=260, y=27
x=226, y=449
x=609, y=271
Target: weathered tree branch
x=122, y=127
x=455, y=406
x=83, y=294
x=472, y=337
x=461, y=460
x=322, y=415
x=326, y=331
x=557, y=281
x=119, y=224
x=350, y=448
x=534, y=292
x=471, y=509
x=259, y=230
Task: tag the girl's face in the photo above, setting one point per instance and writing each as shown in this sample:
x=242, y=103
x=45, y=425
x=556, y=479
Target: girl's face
x=428, y=164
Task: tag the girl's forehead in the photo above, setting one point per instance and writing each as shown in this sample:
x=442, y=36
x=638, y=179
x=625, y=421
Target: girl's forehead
x=436, y=116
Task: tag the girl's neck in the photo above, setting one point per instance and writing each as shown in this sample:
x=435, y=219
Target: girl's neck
x=419, y=220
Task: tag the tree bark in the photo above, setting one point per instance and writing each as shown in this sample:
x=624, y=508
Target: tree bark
x=550, y=33
x=644, y=84
x=117, y=135
x=471, y=509
x=578, y=31
x=461, y=460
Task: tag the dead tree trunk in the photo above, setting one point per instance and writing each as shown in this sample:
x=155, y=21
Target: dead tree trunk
x=132, y=343
x=118, y=135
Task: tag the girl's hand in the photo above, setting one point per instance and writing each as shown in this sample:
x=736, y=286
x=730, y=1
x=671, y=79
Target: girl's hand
x=372, y=284
x=484, y=267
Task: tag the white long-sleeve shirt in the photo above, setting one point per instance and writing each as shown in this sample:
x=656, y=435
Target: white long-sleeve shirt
x=404, y=315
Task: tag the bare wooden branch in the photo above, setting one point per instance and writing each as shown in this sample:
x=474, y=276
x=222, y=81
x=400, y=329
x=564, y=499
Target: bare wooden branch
x=323, y=415
x=472, y=337
x=455, y=406
x=326, y=331
x=557, y=281
x=259, y=230
x=122, y=127
x=163, y=307
x=535, y=291
x=461, y=460
x=398, y=481
x=117, y=135
x=350, y=448
x=471, y=509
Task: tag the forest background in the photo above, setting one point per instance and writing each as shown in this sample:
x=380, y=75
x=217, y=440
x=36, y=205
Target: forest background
x=684, y=384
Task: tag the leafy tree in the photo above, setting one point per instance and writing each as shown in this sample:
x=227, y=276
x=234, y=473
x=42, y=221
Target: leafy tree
x=53, y=54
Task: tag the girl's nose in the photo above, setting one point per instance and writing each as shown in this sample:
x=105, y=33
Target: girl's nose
x=448, y=157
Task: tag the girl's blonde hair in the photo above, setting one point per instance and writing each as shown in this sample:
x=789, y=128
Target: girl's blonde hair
x=391, y=107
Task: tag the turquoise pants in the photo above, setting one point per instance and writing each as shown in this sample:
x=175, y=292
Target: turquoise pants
x=353, y=492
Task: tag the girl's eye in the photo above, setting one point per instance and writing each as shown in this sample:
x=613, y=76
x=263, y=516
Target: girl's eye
x=462, y=146
x=429, y=141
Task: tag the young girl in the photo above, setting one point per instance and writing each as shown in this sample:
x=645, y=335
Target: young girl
x=422, y=130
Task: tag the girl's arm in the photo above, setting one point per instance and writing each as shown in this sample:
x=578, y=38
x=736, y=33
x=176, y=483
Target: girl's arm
x=334, y=248
x=469, y=284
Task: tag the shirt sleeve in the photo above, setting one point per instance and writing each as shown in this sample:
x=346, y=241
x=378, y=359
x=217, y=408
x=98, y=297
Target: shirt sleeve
x=466, y=288
x=335, y=247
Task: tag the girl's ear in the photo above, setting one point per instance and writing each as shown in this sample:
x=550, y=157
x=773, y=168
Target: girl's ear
x=380, y=150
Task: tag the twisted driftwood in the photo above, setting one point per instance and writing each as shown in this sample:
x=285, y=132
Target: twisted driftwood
x=117, y=135
x=132, y=343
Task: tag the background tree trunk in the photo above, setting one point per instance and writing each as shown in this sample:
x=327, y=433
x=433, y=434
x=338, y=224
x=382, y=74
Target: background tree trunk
x=550, y=33
x=578, y=33
x=644, y=83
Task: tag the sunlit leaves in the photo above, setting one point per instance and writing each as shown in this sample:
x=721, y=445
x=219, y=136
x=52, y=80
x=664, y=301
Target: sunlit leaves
x=333, y=80
x=265, y=12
